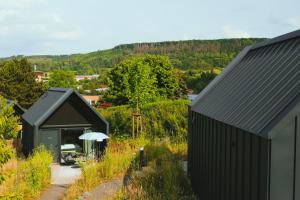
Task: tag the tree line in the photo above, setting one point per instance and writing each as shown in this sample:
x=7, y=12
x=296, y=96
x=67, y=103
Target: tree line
x=193, y=54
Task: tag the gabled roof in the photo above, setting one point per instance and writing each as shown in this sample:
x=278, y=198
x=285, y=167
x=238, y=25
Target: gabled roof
x=256, y=87
x=48, y=103
x=18, y=109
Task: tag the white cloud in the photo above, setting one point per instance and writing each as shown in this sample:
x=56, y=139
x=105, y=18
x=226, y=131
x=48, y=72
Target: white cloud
x=229, y=32
x=20, y=3
x=4, y=14
x=33, y=24
x=57, y=18
x=293, y=22
x=67, y=35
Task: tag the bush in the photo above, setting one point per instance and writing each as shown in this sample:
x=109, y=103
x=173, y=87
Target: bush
x=32, y=175
x=160, y=119
x=162, y=179
x=6, y=153
x=36, y=169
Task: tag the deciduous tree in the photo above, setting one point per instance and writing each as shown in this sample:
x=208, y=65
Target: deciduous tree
x=163, y=80
x=62, y=78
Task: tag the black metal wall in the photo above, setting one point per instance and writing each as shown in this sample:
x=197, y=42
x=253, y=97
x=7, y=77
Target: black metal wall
x=226, y=163
x=27, y=138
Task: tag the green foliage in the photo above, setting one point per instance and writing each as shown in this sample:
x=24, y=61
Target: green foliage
x=93, y=84
x=162, y=178
x=6, y=153
x=204, y=54
x=132, y=80
x=62, y=78
x=36, y=169
x=8, y=121
x=17, y=82
x=8, y=130
x=31, y=176
x=141, y=79
x=160, y=119
x=197, y=80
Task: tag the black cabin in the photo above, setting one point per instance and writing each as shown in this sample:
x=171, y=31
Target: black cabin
x=244, y=140
x=59, y=117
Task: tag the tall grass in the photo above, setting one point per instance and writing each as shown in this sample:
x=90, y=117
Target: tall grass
x=28, y=176
x=118, y=156
x=162, y=179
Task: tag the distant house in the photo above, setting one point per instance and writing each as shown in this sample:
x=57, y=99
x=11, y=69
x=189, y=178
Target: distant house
x=102, y=88
x=244, y=135
x=105, y=105
x=59, y=117
x=92, y=99
x=41, y=76
x=88, y=77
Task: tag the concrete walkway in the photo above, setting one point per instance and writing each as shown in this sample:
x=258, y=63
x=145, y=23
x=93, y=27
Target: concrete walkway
x=64, y=174
x=61, y=177
x=54, y=192
x=106, y=191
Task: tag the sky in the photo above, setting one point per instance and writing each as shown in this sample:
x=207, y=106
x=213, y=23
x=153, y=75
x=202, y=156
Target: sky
x=39, y=27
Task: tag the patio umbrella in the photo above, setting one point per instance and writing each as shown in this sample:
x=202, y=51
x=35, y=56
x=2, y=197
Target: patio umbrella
x=96, y=136
x=93, y=136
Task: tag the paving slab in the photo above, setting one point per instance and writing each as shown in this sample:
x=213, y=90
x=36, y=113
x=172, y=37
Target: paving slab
x=64, y=174
x=106, y=191
x=61, y=177
x=54, y=192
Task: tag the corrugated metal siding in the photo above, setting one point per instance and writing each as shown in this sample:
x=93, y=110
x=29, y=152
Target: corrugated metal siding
x=226, y=162
x=256, y=89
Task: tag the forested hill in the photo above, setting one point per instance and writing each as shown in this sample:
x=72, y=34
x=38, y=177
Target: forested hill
x=189, y=54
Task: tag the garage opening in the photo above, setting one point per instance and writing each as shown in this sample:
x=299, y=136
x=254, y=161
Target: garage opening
x=71, y=136
x=71, y=146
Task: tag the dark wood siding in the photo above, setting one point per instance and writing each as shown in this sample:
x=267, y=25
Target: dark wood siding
x=226, y=162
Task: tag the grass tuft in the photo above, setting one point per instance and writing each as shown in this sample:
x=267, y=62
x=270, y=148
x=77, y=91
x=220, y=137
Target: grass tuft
x=28, y=177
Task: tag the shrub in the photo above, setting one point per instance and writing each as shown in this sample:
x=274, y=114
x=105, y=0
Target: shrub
x=36, y=169
x=162, y=179
x=6, y=153
x=160, y=119
x=31, y=176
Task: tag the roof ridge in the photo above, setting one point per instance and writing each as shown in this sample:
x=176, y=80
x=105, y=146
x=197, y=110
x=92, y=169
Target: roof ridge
x=227, y=97
x=278, y=39
x=59, y=89
x=52, y=108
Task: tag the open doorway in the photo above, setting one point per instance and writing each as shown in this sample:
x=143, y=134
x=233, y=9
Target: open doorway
x=71, y=145
x=71, y=136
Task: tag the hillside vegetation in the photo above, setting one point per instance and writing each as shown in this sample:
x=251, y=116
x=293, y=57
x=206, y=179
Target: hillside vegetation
x=160, y=119
x=203, y=54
